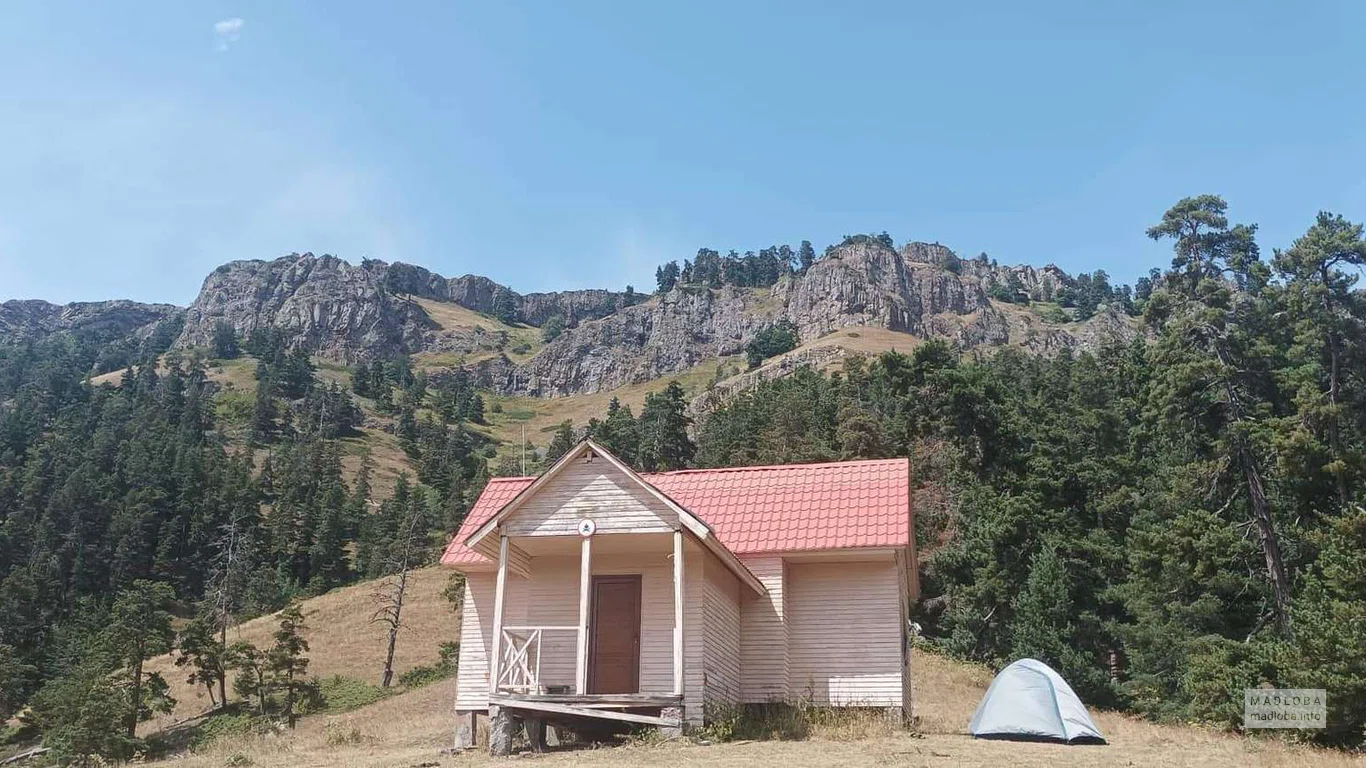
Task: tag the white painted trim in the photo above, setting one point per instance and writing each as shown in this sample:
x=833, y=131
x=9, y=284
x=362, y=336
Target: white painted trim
x=686, y=519
x=499, y=592
x=585, y=584
x=678, y=612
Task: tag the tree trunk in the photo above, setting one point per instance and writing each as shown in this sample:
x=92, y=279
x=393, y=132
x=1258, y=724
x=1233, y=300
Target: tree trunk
x=1266, y=533
x=394, y=624
x=222, y=671
x=137, y=699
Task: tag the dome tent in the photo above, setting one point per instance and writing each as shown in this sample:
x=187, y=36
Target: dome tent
x=1028, y=701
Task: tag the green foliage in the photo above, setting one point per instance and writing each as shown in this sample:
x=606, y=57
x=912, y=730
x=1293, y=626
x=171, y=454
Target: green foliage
x=505, y=306
x=339, y=693
x=223, y=346
x=773, y=340
x=1182, y=512
x=618, y=433
x=201, y=650
x=552, y=328
x=275, y=678
x=234, y=409
x=1050, y=312
x=561, y=443
x=81, y=717
x=426, y=674
x=712, y=270
x=664, y=441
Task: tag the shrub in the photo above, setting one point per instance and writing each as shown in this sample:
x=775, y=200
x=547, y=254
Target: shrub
x=1051, y=312
x=234, y=409
x=427, y=674
x=774, y=340
x=343, y=694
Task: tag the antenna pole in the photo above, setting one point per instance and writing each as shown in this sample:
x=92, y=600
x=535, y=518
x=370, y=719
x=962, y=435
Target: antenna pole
x=523, y=450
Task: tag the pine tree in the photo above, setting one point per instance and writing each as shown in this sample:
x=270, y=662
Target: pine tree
x=140, y=628
x=288, y=664
x=201, y=650
x=664, y=441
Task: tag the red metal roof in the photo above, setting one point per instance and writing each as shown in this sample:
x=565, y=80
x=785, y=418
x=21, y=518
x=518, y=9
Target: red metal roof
x=784, y=508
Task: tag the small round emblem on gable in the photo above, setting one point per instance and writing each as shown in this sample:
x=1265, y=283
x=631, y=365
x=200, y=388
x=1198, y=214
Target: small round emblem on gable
x=587, y=528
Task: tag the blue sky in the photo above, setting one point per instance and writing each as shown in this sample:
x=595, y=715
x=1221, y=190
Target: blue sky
x=573, y=144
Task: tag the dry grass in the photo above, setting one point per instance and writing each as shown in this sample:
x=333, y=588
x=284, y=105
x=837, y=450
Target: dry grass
x=343, y=640
x=863, y=340
x=452, y=317
x=414, y=728
x=542, y=416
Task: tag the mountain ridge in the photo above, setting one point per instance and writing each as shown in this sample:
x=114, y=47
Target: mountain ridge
x=357, y=312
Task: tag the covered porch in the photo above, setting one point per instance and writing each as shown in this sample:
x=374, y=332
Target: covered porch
x=592, y=595
x=590, y=627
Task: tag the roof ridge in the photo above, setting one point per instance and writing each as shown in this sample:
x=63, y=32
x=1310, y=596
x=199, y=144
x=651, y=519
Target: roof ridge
x=762, y=467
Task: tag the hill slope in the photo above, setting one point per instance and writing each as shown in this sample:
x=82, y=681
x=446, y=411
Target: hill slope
x=413, y=728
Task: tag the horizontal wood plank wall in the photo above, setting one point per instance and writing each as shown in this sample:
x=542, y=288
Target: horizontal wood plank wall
x=906, y=592
x=763, y=635
x=599, y=491
x=721, y=670
x=694, y=630
x=550, y=598
x=476, y=628
x=844, y=634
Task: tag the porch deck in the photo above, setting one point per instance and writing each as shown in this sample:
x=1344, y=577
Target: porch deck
x=573, y=708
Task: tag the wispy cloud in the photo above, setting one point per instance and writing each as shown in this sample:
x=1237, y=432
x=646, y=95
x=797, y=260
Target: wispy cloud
x=227, y=31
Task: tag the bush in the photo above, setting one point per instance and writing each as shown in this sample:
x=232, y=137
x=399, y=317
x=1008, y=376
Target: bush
x=343, y=694
x=774, y=340
x=552, y=328
x=1051, y=313
x=235, y=722
x=427, y=674
x=234, y=409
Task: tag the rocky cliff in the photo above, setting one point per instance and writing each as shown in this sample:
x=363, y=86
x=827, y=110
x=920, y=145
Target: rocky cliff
x=860, y=284
x=358, y=312
x=350, y=313
x=321, y=303
x=33, y=319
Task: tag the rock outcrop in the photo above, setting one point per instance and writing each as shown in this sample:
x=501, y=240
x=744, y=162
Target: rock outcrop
x=22, y=320
x=861, y=283
x=667, y=334
x=479, y=293
x=358, y=312
x=320, y=303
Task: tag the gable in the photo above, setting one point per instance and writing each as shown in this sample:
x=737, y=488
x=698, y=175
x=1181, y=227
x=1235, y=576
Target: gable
x=592, y=489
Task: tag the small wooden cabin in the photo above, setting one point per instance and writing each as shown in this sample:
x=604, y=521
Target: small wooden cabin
x=597, y=591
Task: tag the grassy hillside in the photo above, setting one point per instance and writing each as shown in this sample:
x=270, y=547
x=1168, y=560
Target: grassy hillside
x=343, y=640
x=413, y=728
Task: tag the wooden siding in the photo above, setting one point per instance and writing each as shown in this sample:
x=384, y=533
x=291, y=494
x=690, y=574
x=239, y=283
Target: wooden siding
x=615, y=502
x=844, y=633
x=476, y=627
x=763, y=635
x=906, y=589
x=721, y=678
x=551, y=598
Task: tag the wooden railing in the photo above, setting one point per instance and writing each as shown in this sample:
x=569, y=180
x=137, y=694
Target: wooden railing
x=519, y=670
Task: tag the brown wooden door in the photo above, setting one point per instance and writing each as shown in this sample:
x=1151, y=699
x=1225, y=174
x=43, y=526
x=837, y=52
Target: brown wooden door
x=614, y=635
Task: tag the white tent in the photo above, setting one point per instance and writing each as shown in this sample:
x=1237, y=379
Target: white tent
x=1030, y=702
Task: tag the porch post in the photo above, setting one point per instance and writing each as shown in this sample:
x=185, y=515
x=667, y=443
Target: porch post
x=585, y=583
x=496, y=657
x=678, y=612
